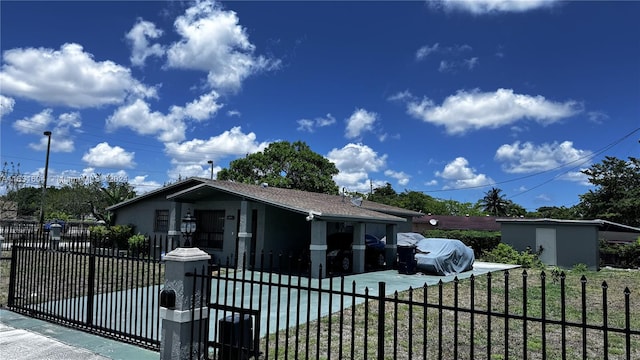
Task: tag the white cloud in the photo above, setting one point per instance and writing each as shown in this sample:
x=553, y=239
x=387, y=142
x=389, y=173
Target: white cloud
x=232, y=113
x=213, y=41
x=171, y=127
x=6, y=105
x=58, y=144
x=433, y=182
x=69, y=77
x=61, y=137
x=401, y=177
x=577, y=177
x=360, y=121
x=141, y=185
x=445, y=66
x=526, y=157
x=454, y=65
x=230, y=143
x=310, y=125
x=459, y=175
x=480, y=7
x=106, y=156
x=471, y=62
x=402, y=96
x=355, y=162
x=188, y=170
x=597, y=117
x=426, y=50
x=36, y=124
x=140, y=48
x=474, y=110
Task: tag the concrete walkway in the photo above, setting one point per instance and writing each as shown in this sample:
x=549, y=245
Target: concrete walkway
x=23, y=337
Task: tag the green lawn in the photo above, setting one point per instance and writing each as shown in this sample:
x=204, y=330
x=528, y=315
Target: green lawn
x=404, y=323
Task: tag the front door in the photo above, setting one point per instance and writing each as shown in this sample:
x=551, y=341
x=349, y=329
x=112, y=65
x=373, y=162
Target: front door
x=209, y=229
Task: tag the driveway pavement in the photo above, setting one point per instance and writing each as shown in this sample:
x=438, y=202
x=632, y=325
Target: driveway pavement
x=23, y=337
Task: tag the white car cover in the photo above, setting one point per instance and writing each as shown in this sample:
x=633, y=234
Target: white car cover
x=439, y=256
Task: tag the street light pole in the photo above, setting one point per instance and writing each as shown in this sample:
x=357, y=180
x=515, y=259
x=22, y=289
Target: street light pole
x=210, y=162
x=46, y=174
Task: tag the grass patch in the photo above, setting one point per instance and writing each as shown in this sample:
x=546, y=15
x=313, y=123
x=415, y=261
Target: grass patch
x=50, y=276
x=411, y=332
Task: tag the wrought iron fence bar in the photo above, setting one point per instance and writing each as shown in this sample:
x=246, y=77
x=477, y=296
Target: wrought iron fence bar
x=489, y=276
x=506, y=312
x=627, y=321
x=455, y=317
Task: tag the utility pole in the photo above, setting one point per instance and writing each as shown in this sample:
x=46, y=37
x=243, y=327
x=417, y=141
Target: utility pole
x=44, y=187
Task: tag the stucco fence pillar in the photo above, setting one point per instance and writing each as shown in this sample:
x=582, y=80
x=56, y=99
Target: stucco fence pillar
x=177, y=341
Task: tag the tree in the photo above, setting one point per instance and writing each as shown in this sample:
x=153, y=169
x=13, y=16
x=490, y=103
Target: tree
x=103, y=194
x=494, y=202
x=617, y=193
x=514, y=210
x=555, y=212
x=384, y=195
x=285, y=165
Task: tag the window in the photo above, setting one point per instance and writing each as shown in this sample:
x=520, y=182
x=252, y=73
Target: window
x=161, y=221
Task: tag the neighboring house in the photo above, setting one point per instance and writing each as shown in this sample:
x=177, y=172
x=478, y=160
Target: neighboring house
x=236, y=219
x=449, y=222
x=564, y=243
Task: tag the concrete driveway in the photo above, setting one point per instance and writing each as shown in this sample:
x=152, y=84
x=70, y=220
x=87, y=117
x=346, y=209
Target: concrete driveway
x=312, y=305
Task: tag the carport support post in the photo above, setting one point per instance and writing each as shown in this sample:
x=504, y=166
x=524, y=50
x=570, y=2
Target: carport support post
x=244, y=236
x=358, y=247
x=176, y=339
x=318, y=248
x=391, y=248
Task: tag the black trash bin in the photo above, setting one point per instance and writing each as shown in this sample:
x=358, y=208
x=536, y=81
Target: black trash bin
x=235, y=337
x=406, y=259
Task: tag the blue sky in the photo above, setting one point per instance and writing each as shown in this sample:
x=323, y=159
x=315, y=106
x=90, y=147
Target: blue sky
x=447, y=98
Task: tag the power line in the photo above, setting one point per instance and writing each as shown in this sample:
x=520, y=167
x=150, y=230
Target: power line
x=580, y=162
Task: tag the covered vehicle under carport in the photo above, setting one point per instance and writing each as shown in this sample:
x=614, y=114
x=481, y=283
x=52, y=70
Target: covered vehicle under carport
x=438, y=256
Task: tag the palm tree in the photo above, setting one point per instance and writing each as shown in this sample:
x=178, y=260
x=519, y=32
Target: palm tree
x=494, y=202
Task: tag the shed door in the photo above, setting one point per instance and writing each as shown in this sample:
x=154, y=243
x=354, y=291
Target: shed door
x=546, y=238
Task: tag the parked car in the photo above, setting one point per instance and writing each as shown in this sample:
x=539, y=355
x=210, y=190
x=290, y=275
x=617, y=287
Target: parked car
x=438, y=256
x=340, y=254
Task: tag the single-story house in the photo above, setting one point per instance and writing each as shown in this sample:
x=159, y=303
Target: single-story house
x=564, y=243
x=451, y=222
x=236, y=220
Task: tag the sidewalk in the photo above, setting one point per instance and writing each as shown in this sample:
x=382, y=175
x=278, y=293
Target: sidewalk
x=23, y=337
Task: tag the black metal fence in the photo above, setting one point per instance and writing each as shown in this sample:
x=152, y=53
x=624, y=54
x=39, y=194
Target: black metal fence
x=268, y=315
x=109, y=292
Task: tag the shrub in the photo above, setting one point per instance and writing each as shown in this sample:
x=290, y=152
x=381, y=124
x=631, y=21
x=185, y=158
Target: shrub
x=113, y=236
x=620, y=255
x=504, y=253
x=138, y=243
x=580, y=268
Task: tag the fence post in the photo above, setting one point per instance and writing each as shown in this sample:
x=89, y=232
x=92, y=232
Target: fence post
x=181, y=321
x=381, y=318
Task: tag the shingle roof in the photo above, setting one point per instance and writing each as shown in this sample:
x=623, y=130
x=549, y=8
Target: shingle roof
x=322, y=205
